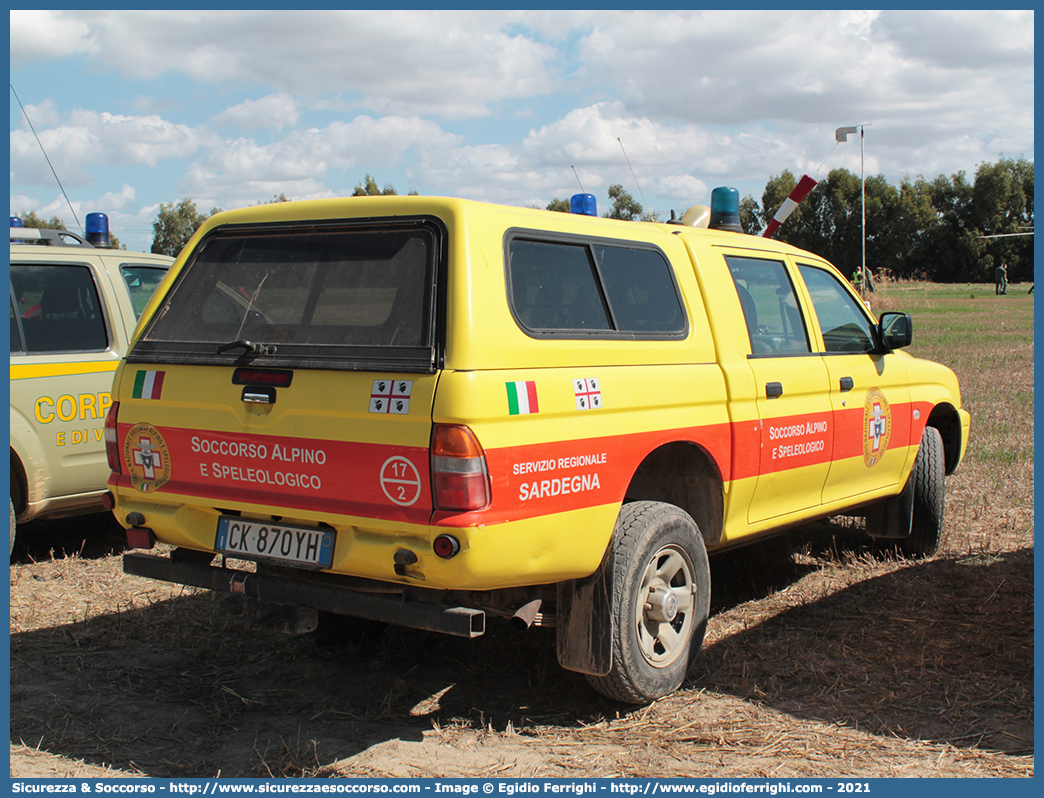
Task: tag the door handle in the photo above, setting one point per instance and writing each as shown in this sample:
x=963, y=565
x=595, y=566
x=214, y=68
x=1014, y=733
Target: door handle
x=261, y=396
x=773, y=389
x=847, y=384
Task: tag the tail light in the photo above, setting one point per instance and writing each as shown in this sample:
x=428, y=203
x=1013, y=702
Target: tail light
x=112, y=446
x=459, y=476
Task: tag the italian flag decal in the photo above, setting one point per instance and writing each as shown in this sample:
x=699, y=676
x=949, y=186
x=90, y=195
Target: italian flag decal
x=522, y=398
x=148, y=384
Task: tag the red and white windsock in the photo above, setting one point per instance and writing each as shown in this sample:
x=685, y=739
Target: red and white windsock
x=805, y=185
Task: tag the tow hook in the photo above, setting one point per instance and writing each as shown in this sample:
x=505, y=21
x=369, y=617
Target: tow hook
x=403, y=558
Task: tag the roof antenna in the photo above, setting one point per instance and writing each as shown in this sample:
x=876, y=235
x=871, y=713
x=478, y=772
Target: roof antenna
x=646, y=204
x=27, y=119
x=577, y=178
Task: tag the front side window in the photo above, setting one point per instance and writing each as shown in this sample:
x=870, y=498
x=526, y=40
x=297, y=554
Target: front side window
x=141, y=281
x=56, y=309
x=343, y=296
x=845, y=327
x=580, y=288
x=770, y=309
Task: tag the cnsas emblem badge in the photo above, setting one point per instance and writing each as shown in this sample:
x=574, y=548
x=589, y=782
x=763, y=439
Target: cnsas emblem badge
x=877, y=427
x=146, y=456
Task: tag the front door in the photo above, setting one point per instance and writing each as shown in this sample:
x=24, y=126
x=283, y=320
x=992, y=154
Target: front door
x=868, y=392
x=791, y=381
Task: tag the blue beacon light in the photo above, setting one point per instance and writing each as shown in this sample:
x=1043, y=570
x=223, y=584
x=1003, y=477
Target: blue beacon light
x=583, y=204
x=97, y=228
x=724, y=210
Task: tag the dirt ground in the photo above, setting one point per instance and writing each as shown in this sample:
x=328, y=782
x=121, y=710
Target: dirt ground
x=824, y=658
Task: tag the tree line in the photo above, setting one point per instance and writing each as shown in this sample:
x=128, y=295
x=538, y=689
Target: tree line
x=948, y=229
x=945, y=230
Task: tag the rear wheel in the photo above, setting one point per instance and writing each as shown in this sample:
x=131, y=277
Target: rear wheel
x=929, y=498
x=661, y=599
x=14, y=526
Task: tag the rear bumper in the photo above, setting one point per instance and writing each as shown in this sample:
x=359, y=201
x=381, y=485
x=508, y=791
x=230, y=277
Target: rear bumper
x=458, y=621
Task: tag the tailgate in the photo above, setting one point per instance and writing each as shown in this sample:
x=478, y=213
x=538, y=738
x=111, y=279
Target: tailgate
x=328, y=443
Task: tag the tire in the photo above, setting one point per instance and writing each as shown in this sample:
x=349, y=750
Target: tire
x=661, y=600
x=14, y=526
x=929, y=498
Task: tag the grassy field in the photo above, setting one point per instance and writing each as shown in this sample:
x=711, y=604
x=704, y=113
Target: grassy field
x=825, y=655
x=988, y=341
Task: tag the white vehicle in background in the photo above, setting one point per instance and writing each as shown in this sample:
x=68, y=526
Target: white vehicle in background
x=74, y=305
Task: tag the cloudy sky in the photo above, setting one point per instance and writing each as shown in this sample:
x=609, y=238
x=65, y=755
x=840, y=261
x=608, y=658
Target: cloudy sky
x=230, y=108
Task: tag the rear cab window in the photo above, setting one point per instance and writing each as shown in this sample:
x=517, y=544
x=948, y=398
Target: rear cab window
x=576, y=288
x=341, y=295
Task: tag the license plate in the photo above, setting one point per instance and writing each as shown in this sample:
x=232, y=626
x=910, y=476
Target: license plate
x=289, y=544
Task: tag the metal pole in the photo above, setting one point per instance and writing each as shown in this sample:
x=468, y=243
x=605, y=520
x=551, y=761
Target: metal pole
x=862, y=181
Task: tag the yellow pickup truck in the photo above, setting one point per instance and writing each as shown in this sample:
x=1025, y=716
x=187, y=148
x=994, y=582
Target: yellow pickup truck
x=426, y=410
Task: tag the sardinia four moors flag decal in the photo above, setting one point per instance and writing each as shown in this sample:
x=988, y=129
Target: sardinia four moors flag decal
x=148, y=384
x=522, y=398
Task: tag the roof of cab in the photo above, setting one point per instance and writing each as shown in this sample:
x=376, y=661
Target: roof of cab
x=447, y=207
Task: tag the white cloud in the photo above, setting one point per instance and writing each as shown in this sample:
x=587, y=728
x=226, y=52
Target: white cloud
x=89, y=138
x=820, y=69
x=140, y=139
x=274, y=111
x=70, y=149
x=248, y=171
x=39, y=34
x=455, y=63
x=113, y=201
x=675, y=158
x=41, y=114
x=23, y=202
x=995, y=39
x=317, y=99
x=683, y=190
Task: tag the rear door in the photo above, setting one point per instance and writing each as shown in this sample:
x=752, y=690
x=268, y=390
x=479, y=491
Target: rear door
x=290, y=370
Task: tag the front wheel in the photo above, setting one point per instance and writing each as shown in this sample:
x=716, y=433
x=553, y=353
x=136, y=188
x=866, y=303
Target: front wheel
x=929, y=498
x=661, y=600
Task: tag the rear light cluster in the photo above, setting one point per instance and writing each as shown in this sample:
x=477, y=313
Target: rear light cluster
x=112, y=445
x=459, y=476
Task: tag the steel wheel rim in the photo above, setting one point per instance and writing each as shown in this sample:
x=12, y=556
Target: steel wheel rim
x=667, y=574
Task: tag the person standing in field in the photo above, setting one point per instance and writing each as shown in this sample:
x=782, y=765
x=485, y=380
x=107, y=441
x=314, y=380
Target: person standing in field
x=857, y=281
x=1000, y=278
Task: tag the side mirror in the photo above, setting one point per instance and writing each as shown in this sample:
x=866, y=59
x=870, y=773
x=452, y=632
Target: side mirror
x=895, y=330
